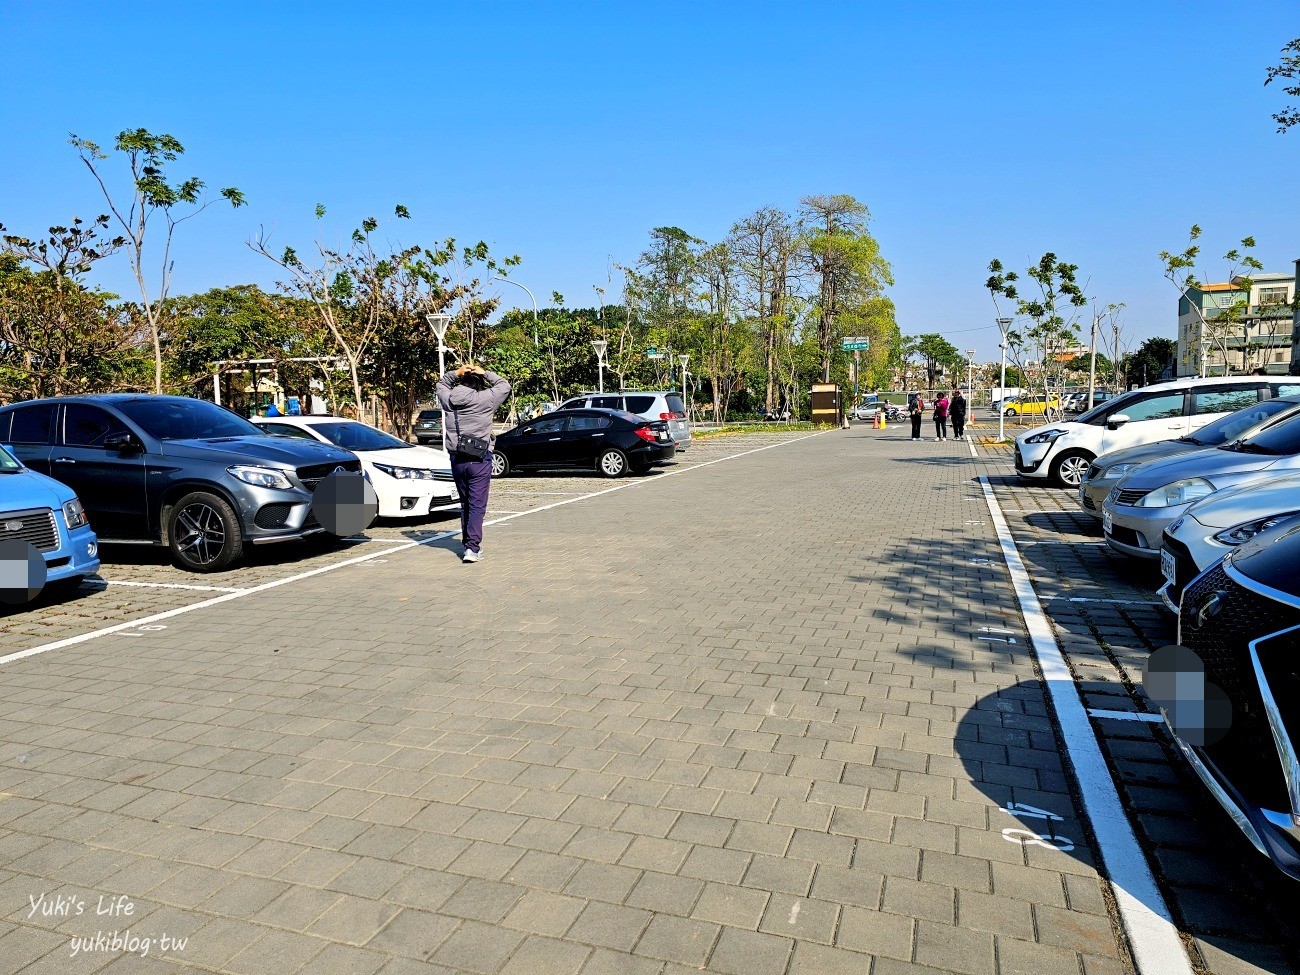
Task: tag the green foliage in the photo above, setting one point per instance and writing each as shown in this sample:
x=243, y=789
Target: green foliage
x=1287, y=69
x=1151, y=359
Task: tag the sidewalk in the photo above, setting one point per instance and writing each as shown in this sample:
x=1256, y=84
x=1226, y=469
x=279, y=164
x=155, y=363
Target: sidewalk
x=760, y=717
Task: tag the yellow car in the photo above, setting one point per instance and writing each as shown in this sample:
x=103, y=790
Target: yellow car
x=1032, y=406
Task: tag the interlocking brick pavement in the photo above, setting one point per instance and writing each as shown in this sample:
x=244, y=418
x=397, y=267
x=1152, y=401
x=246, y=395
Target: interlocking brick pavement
x=742, y=720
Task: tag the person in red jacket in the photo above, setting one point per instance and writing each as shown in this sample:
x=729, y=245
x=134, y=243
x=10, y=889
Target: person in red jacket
x=941, y=417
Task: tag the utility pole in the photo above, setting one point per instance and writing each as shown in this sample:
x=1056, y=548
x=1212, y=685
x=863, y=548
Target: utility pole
x=1092, y=365
x=1115, y=325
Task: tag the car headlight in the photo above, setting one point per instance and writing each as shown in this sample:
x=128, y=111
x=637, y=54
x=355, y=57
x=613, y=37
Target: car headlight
x=1240, y=534
x=1179, y=492
x=1111, y=473
x=266, y=477
x=1047, y=436
x=74, y=514
x=406, y=473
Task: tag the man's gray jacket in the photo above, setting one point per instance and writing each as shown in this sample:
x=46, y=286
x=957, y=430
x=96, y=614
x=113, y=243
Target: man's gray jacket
x=468, y=410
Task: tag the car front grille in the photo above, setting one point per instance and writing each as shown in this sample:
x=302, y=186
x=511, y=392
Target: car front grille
x=315, y=473
x=443, y=476
x=1246, y=755
x=1126, y=536
x=273, y=515
x=1129, y=497
x=1088, y=503
x=35, y=525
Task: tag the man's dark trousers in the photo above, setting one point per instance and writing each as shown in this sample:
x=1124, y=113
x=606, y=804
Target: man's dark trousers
x=473, y=479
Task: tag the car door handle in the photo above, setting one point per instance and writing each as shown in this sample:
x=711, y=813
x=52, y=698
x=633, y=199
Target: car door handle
x=64, y=460
x=552, y=439
x=597, y=434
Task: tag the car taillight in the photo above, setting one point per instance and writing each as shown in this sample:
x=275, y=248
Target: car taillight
x=668, y=416
x=645, y=433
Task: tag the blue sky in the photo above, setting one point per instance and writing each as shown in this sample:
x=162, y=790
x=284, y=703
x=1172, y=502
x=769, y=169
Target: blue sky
x=562, y=132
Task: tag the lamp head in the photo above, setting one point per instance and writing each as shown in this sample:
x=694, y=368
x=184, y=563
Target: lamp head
x=438, y=321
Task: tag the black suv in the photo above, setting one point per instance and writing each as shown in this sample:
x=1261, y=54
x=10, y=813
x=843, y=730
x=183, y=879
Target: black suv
x=168, y=470
x=428, y=427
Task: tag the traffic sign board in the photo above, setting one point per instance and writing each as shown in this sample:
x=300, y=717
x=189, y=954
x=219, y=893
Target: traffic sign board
x=856, y=344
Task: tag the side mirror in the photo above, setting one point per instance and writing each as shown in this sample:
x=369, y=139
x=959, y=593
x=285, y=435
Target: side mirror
x=123, y=442
x=1116, y=421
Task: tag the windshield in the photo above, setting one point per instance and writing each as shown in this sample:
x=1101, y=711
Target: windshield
x=7, y=463
x=186, y=419
x=1281, y=438
x=357, y=436
x=1232, y=427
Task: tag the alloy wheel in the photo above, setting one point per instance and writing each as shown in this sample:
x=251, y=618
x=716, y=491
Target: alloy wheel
x=612, y=464
x=203, y=535
x=1073, y=469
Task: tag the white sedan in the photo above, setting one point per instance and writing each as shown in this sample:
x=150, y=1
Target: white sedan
x=410, y=480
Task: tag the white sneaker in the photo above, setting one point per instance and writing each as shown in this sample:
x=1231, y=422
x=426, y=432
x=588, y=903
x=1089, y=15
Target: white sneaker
x=936, y=439
x=469, y=556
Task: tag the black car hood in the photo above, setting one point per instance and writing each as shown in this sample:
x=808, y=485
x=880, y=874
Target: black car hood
x=279, y=451
x=1272, y=558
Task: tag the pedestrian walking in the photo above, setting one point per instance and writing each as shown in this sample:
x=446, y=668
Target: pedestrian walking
x=957, y=411
x=916, y=410
x=470, y=396
x=941, y=417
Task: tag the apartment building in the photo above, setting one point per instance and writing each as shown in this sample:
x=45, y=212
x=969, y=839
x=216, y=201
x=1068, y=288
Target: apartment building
x=1263, y=338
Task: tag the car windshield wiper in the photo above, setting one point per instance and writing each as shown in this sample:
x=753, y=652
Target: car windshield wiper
x=1241, y=446
x=1199, y=443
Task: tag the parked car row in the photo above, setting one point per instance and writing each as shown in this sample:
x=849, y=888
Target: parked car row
x=80, y=471
x=199, y=479
x=1203, y=476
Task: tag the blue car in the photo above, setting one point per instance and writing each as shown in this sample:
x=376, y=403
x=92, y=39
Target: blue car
x=38, y=509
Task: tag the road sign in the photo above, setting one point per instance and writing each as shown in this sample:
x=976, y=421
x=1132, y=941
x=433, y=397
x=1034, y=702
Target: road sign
x=858, y=343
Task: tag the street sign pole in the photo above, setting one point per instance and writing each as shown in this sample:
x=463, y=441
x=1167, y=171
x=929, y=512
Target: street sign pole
x=857, y=361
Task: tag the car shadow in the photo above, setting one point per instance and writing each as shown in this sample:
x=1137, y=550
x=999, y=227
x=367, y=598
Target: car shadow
x=1007, y=745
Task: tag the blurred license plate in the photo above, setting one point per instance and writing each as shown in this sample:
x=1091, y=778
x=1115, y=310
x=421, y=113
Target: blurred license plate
x=1107, y=522
x=1168, y=567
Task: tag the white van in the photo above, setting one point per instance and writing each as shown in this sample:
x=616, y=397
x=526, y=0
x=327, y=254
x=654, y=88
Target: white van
x=1063, y=451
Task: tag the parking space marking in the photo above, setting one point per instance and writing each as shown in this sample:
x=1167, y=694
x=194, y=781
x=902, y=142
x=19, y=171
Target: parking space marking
x=1126, y=715
x=321, y=570
x=1153, y=937
x=168, y=585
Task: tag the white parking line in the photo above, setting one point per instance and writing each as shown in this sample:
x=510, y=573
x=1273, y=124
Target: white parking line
x=1153, y=937
x=167, y=585
x=276, y=583
x=1125, y=715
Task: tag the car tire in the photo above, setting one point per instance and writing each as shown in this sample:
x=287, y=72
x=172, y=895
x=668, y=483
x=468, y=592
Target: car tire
x=639, y=469
x=1069, y=468
x=1010, y=412
x=500, y=464
x=203, y=533
x=612, y=463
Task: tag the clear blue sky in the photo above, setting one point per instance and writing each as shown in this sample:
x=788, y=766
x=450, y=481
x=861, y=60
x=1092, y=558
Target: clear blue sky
x=563, y=132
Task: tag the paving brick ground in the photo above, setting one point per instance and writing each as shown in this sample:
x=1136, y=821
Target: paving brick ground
x=759, y=717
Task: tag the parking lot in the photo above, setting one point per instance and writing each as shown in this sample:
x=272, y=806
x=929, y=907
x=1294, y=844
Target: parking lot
x=775, y=708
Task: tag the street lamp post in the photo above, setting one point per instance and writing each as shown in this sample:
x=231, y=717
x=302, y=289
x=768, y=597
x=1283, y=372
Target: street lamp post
x=1003, y=324
x=970, y=374
x=530, y=298
x=600, y=345
x=683, y=359
x=438, y=321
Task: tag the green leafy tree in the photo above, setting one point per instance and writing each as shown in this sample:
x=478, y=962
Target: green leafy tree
x=1151, y=358
x=1288, y=69
x=150, y=197
x=57, y=335
x=845, y=261
x=937, y=353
